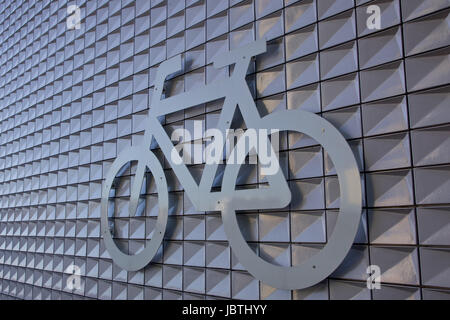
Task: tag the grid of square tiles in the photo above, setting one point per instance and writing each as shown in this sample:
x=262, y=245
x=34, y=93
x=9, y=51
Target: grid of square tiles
x=70, y=101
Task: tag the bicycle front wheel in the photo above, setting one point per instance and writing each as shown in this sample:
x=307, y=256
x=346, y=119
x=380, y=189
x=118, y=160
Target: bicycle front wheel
x=141, y=259
x=321, y=265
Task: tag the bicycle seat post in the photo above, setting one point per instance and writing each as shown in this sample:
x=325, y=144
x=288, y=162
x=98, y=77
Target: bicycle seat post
x=165, y=69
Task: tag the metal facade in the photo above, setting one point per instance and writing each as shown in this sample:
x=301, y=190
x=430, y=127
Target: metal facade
x=72, y=100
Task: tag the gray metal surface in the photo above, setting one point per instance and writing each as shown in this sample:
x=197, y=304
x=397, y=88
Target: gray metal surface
x=71, y=101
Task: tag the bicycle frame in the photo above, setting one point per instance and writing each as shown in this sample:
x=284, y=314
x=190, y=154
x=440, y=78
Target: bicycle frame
x=236, y=93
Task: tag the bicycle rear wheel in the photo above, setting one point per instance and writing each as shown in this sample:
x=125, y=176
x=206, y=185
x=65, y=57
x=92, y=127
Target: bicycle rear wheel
x=141, y=259
x=331, y=256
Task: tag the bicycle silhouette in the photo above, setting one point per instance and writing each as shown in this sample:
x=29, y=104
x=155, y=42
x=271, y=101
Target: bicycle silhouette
x=236, y=94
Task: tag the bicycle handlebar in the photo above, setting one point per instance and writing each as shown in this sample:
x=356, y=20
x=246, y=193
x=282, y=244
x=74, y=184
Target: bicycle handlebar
x=173, y=64
x=248, y=51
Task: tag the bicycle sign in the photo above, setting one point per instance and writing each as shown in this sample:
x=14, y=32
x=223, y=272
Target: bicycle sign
x=236, y=94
